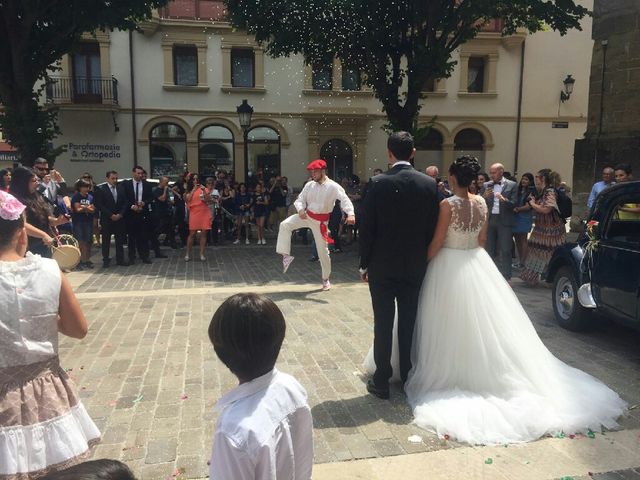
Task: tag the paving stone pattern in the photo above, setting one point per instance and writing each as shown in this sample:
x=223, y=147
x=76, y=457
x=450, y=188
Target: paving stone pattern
x=150, y=379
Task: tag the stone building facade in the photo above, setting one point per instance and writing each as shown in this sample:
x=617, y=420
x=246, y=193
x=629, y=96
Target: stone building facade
x=613, y=128
x=165, y=97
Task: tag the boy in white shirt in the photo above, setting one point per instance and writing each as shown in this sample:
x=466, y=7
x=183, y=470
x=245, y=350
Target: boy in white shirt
x=265, y=429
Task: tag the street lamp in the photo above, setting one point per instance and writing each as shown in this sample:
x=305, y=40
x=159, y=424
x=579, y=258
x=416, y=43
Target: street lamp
x=244, y=116
x=568, y=88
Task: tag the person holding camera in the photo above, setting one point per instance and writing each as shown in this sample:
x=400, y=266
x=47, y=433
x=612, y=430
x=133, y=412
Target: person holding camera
x=162, y=217
x=55, y=184
x=40, y=216
x=499, y=194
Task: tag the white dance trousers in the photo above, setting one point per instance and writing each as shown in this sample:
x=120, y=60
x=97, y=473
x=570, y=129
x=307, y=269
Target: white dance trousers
x=294, y=222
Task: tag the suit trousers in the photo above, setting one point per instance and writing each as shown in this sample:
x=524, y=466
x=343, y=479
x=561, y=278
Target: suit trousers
x=294, y=222
x=384, y=294
x=500, y=245
x=138, y=231
x=116, y=229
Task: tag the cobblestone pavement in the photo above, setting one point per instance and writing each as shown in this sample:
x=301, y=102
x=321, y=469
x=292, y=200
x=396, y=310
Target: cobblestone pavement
x=149, y=377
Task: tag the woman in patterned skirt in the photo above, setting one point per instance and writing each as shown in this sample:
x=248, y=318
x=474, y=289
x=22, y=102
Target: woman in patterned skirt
x=549, y=230
x=43, y=425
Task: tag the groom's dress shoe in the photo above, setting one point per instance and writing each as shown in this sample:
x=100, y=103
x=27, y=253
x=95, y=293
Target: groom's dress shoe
x=379, y=392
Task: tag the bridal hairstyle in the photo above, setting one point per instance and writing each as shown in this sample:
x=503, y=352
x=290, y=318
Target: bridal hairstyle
x=465, y=169
x=247, y=332
x=401, y=145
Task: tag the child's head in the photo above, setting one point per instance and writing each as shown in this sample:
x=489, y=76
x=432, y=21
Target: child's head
x=12, y=231
x=94, y=470
x=82, y=186
x=247, y=332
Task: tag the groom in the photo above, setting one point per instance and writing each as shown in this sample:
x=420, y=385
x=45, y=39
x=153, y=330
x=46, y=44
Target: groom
x=399, y=216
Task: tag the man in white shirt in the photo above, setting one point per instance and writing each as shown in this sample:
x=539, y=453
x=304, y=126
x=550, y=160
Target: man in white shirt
x=264, y=430
x=607, y=180
x=314, y=205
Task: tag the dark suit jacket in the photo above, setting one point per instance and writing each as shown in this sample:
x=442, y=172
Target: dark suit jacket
x=147, y=198
x=106, y=205
x=397, y=222
x=510, y=192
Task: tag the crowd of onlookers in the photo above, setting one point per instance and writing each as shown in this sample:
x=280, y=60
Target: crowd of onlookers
x=145, y=215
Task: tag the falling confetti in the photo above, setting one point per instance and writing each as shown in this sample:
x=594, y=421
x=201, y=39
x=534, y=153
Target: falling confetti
x=415, y=439
x=488, y=461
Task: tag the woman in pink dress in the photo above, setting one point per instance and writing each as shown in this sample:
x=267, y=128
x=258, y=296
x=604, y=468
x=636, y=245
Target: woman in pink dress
x=197, y=199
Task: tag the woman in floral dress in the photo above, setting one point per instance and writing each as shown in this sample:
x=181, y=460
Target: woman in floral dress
x=549, y=229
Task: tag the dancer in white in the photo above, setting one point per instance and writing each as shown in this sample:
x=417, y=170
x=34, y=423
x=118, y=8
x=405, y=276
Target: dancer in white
x=480, y=372
x=314, y=205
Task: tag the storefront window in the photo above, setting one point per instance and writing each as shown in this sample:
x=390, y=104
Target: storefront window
x=264, y=152
x=215, y=150
x=168, y=150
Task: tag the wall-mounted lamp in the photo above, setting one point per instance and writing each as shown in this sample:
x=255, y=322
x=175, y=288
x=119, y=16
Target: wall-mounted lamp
x=565, y=94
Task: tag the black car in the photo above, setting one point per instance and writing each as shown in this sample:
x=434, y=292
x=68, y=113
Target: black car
x=607, y=278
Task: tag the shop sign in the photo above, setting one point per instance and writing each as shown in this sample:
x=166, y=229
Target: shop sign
x=93, y=152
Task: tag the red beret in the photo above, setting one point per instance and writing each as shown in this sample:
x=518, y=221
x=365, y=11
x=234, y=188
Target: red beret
x=317, y=165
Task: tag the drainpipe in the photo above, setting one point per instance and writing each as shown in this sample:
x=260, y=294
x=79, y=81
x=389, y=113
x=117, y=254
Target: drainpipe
x=519, y=117
x=604, y=44
x=134, y=128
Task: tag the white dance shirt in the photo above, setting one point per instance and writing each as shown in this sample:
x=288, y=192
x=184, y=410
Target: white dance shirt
x=264, y=432
x=321, y=197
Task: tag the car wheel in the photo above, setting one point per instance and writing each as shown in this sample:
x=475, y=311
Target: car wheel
x=566, y=307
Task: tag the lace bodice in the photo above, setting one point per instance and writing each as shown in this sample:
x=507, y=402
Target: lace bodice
x=29, y=301
x=467, y=218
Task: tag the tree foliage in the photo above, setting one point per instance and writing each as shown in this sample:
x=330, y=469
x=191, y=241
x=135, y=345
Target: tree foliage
x=397, y=44
x=34, y=34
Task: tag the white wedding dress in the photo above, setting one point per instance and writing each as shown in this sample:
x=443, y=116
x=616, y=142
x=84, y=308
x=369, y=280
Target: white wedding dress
x=480, y=372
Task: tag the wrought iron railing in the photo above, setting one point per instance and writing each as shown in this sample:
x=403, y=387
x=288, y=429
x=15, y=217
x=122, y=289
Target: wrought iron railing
x=83, y=90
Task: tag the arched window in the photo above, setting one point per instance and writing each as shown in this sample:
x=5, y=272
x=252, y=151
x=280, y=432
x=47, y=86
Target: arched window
x=470, y=142
x=339, y=157
x=168, y=150
x=264, y=152
x=215, y=150
x=429, y=150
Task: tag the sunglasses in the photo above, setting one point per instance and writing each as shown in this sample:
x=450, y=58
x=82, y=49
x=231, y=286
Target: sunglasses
x=44, y=169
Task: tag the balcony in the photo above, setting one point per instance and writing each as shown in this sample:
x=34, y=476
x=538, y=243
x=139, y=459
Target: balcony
x=83, y=91
x=209, y=10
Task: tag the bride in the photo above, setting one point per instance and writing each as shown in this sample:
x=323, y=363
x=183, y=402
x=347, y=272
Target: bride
x=480, y=372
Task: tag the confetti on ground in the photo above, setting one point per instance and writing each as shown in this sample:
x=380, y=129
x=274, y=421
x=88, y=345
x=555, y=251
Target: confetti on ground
x=526, y=462
x=415, y=439
x=113, y=403
x=488, y=461
x=446, y=437
x=68, y=370
x=566, y=478
x=139, y=399
x=560, y=435
x=590, y=434
x=633, y=407
x=184, y=397
x=572, y=436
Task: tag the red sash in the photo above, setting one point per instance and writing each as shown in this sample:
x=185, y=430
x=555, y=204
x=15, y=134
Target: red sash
x=322, y=218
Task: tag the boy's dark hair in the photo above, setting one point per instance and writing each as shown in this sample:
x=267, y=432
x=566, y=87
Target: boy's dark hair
x=82, y=183
x=247, y=332
x=111, y=172
x=137, y=167
x=94, y=470
x=625, y=167
x=401, y=145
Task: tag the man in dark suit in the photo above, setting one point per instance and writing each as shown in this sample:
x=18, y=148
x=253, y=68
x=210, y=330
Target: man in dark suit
x=112, y=205
x=399, y=217
x=500, y=195
x=139, y=196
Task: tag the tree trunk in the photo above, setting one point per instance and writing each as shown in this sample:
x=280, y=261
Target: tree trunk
x=25, y=126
